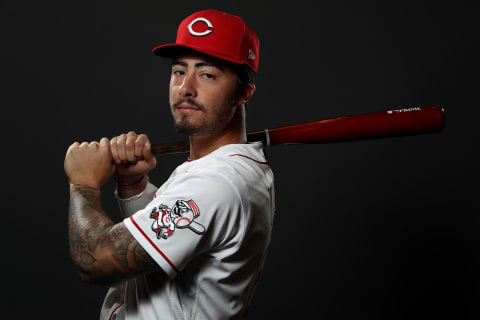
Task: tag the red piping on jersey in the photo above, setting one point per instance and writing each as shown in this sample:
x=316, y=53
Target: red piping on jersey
x=153, y=245
x=241, y=155
x=115, y=310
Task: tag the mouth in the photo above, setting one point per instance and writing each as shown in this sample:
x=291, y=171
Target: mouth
x=187, y=108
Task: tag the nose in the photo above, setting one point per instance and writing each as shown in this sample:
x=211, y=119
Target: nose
x=187, y=88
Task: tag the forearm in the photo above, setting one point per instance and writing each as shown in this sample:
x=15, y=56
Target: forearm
x=102, y=251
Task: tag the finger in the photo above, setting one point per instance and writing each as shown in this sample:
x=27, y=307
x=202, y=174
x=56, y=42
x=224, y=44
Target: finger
x=121, y=148
x=130, y=146
x=114, y=150
x=148, y=156
x=104, y=143
x=93, y=145
x=140, y=143
x=105, y=147
x=73, y=145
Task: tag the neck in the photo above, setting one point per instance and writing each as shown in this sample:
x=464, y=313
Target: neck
x=233, y=133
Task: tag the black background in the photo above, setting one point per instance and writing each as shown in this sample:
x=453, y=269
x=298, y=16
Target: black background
x=384, y=229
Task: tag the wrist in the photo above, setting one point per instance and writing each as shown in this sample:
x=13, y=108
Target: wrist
x=83, y=185
x=86, y=191
x=129, y=183
x=130, y=189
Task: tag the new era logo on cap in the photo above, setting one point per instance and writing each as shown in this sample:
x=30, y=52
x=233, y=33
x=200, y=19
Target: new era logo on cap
x=218, y=34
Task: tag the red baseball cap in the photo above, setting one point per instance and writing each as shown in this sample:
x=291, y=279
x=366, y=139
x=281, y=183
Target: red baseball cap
x=217, y=34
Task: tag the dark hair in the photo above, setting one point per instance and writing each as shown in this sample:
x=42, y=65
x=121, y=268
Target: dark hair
x=244, y=72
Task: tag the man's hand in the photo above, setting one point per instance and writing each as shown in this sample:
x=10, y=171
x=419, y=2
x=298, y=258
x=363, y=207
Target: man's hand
x=132, y=157
x=89, y=164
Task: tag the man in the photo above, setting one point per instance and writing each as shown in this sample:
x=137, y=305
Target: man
x=193, y=248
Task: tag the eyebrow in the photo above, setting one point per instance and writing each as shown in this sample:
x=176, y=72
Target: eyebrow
x=198, y=64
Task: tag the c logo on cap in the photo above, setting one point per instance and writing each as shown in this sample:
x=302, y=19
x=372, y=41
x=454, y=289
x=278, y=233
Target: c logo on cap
x=200, y=34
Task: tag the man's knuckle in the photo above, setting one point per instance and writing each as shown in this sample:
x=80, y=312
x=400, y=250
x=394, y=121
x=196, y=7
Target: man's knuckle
x=139, y=143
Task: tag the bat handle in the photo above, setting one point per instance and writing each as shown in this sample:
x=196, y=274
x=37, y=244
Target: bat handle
x=173, y=147
x=262, y=135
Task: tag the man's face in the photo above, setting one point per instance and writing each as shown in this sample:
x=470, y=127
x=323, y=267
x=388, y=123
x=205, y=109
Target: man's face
x=202, y=94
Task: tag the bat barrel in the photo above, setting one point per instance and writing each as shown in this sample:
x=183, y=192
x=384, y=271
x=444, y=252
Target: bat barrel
x=364, y=126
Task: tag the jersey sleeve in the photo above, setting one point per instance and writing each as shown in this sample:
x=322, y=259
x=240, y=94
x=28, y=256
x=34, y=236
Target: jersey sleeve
x=197, y=214
x=131, y=205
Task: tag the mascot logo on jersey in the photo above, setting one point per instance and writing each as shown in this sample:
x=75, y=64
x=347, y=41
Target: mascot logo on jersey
x=181, y=216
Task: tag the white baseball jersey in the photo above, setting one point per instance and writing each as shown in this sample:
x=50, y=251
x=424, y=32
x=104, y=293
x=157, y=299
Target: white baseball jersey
x=208, y=228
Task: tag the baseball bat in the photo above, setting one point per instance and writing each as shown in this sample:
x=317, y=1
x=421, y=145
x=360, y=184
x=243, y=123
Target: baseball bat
x=393, y=123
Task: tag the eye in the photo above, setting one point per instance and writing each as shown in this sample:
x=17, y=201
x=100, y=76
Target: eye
x=178, y=72
x=208, y=76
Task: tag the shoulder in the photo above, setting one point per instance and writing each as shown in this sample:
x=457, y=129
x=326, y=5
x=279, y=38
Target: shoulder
x=245, y=161
x=229, y=174
x=205, y=182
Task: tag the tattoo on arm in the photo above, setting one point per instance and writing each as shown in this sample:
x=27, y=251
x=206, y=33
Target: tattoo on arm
x=102, y=250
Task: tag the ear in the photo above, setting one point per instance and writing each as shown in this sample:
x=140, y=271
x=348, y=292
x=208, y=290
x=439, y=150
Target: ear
x=245, y=92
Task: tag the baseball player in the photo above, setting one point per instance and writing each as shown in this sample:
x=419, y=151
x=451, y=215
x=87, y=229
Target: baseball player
x=195, y=247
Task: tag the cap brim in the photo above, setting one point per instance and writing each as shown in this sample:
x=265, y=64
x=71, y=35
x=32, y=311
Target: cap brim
x=171, y=50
